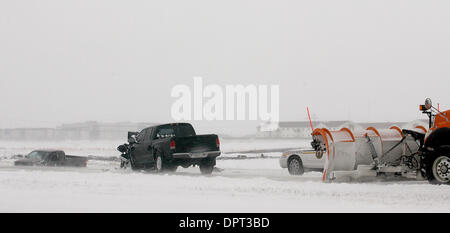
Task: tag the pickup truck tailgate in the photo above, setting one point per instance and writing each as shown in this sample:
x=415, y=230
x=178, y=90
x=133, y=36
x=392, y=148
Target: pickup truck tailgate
x=200, y=143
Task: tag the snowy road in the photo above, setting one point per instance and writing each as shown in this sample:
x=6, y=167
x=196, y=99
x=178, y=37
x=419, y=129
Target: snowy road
x=256, y=185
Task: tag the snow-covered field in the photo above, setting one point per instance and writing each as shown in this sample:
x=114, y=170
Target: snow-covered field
x=108, y=148
x=249, y=185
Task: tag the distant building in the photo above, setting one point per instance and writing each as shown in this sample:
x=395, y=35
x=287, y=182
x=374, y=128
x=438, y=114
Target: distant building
x=28, y=134
x=98, y=131
x=294, y=129
x=78, y=131
x=302, y=129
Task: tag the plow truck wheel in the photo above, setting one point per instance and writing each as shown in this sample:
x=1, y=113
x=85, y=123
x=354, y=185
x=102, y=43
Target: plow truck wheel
x=295, y=166
x=438, y=168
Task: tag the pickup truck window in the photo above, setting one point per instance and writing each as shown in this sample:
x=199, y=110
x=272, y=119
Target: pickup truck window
x=140, y=137
x=165, y=133
x=37, y=155
x=180, y=130
x=148, y=134
x=61, y=155
x=53, y=156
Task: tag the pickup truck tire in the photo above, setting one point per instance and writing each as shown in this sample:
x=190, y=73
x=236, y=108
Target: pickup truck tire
x=295, y=166
x=207, y=166
x=132, y=164
x=159, y=163
x=171, y=168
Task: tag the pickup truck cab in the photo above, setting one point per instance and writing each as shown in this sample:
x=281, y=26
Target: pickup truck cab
x=51, y=158
x=301, y=160
x=165, y=147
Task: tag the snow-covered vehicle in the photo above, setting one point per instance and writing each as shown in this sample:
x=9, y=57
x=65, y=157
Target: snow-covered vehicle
x=51, y=158
x=300, y=160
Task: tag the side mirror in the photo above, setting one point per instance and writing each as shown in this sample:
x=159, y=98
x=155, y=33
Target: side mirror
x=122, y=148
x=428, y=103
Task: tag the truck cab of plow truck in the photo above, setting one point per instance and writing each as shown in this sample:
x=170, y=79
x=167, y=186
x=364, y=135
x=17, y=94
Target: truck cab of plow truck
x=438, y=134
x=435, y=148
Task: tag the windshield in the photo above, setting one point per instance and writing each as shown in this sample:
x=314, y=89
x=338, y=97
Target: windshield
x=38, y=155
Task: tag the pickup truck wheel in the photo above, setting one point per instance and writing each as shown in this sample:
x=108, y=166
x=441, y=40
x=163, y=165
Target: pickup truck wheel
x=295, y=166
x=207, y=167
x=159, y=164
x=162, y=165
x=132, y=164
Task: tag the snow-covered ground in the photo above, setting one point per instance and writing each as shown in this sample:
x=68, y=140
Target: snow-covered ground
x=108, y=148
x=232, y=190
x=249, y=185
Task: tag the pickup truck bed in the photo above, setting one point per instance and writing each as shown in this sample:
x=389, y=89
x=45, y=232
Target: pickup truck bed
x=194, y=144
x=75, y=161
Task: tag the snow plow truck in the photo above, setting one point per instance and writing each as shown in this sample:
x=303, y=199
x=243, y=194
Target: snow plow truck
x=414, y=153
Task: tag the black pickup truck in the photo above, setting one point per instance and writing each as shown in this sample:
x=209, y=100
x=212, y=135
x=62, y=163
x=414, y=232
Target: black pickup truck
x=51, y=158
x=165, y=147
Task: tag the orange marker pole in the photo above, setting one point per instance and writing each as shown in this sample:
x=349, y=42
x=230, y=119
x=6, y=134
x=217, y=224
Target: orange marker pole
x=310, y=122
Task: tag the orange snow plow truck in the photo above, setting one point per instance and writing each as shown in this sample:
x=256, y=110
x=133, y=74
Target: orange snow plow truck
x=415, y=153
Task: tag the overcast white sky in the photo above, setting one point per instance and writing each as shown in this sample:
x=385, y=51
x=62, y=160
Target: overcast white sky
x=70, y=61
